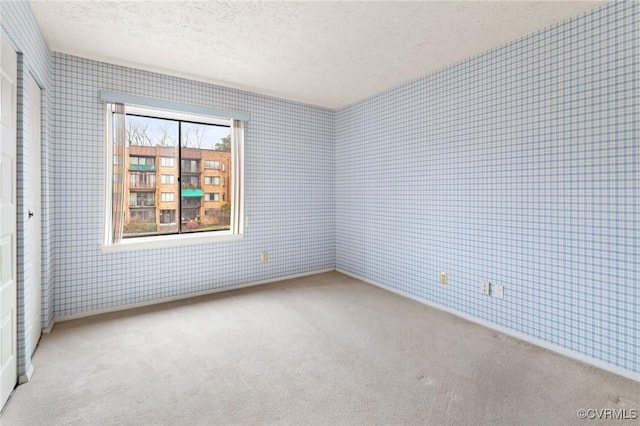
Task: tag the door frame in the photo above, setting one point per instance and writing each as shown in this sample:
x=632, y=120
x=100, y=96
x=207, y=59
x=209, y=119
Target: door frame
x=33, y=88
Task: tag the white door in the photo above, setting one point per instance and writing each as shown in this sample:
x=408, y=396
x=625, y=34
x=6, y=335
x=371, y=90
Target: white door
x=8, y=297
x=34, y=222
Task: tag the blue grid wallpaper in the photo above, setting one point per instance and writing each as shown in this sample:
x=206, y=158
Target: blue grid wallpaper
x=20, y=28
x=288, y=193
x=519, y=166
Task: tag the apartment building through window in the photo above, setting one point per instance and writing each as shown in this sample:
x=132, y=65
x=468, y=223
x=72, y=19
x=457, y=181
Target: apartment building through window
x=167, y=154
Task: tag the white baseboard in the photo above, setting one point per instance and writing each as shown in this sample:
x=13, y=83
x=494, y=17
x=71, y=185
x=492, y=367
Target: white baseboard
x=26, y=377
x=85, y=314
x=534, y=341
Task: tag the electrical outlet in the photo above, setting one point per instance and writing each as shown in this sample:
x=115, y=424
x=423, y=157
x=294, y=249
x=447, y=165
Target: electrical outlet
x=264, y=256
x=484, y=287
x=444, y=279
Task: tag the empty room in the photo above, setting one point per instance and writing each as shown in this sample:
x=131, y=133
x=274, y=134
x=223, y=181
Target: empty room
x=340, y=212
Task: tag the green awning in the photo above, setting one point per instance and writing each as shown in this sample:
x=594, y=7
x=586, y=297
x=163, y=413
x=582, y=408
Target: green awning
x=192, y=193
x=142, y=167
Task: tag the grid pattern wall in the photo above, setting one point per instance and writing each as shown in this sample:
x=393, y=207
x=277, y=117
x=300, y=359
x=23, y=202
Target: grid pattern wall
x=20, y=28
x=288, y=193
x=519, y=166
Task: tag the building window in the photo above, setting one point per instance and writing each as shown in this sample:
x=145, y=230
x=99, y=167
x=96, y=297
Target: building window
x=191, y=201
x=140, y=199
x=190, y=166
x=190, y=182
x=142, y=161
x=168, y=179
x=190, y=215
x=139, y=180
x=143, y=216
x=167, y=161
x=212, y=180
x=215, y=165
x=170, y=139
x=167, y=217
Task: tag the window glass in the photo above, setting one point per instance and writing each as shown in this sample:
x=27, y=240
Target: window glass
x=150, y=141
x=204, y=147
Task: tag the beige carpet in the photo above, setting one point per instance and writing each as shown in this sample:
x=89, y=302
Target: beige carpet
x=325, y=349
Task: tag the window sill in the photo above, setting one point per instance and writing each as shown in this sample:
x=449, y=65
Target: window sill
x=145, y=243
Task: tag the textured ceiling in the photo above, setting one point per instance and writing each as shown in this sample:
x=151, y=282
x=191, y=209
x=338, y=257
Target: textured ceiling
x=323, y=53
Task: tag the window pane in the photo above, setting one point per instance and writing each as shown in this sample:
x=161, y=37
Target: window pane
x=167, y=161
x=212, y=180
x=151, y=155
x=167, y=217
x=142, y=199
x=205, y=162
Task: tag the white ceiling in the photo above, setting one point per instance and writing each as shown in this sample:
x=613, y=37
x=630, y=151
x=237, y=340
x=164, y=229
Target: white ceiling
x=331, y=54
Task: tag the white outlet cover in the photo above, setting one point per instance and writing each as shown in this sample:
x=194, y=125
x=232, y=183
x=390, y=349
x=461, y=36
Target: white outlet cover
x=484, y=287
x=497, y=291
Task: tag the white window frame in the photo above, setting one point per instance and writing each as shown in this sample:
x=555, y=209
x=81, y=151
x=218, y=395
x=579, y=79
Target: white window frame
x=215, y=162
x=171, y=179
x=207, y=196
x=149, y=108
x=138, y=158
x=170, y=160
x=212, y=179
x=167, y=197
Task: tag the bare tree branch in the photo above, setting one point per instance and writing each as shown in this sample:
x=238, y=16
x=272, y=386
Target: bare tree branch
x=166, y=137
x=195, y=137
x=137, y=135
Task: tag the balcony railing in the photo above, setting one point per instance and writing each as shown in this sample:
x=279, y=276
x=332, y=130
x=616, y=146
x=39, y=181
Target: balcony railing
x=142, y=185
x=190, y=185
x=190, y=202
x=145, y=203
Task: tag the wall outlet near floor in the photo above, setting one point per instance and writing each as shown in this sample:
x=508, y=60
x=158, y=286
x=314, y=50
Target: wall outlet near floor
x=484, y=287
x=264, y=256
x=497, y=291
x=444, y=278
